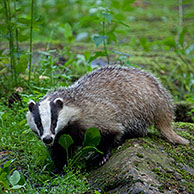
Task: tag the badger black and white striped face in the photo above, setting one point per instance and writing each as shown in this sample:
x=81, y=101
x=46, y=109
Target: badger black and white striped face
x=46, y=118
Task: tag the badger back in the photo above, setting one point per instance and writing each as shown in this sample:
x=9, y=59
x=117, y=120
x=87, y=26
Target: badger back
x=123, y=89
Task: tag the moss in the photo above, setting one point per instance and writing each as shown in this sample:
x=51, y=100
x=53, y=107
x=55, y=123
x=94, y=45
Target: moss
x=139, y=155
x=179, y=163
x=186, y=126
x=180, y=157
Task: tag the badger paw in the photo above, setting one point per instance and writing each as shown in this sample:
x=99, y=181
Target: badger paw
x=104, y=158
x=98, y=160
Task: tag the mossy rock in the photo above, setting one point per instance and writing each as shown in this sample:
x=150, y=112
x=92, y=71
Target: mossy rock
x=148, y=165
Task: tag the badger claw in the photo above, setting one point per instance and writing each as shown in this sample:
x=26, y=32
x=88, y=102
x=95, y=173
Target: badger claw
x=104, y=159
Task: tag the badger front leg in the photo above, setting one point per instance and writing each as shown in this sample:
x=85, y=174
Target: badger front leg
x=59, y=157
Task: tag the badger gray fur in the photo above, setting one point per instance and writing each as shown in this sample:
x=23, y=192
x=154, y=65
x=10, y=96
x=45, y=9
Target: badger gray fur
x=121, y=102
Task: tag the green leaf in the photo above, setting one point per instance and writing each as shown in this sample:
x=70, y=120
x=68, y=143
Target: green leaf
x=7, y=164
x=107, y=16
x=22, y=181
x=66, y=141
x=169, y=41
x=87, y=55
x=99, y=39
x=120, y=22
x=67, y=31
x=92, y=137
x=189, y=15
x=68, y=62
x=144, y=43
x=23, y=37
x=128, y=2
x=126, y=5
x=191, y=99
x=96, y=192
x=3, y=180
x=112, y=36
x=14, y=178
x=84, y=21
x=97, y=54
x=24, y=20
x=22, y=65
x=182, y=36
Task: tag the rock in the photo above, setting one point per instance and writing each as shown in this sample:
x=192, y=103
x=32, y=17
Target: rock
x=148, y=165
x=130, y=171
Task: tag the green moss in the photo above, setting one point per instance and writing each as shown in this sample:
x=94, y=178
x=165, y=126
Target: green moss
x=180, y=158
x=179, y=163
x=187, y=126
x=139, y=155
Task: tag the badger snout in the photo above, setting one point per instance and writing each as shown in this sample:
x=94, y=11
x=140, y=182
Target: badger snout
x=48, y=140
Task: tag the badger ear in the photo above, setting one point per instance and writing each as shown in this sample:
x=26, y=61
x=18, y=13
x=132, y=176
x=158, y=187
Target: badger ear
x=31, y=105
x=59, y=102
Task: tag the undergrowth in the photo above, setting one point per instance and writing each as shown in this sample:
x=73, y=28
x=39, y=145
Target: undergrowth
x=30, y=157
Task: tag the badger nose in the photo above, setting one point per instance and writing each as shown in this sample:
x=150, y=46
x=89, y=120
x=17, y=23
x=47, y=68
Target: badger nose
x=48, y=139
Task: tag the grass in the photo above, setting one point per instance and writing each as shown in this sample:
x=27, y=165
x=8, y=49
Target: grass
x=31, y=158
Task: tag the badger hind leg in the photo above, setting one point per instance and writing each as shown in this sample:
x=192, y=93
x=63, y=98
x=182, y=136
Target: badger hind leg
x=109, y=139
x=164, y=126
x=100, y=159
x=106, y=145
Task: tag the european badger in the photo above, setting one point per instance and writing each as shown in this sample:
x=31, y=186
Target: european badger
x=121, y=102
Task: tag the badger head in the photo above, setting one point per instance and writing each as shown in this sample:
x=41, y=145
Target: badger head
x=47, y=117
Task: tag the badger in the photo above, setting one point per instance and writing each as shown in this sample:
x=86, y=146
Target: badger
x=122, y=102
